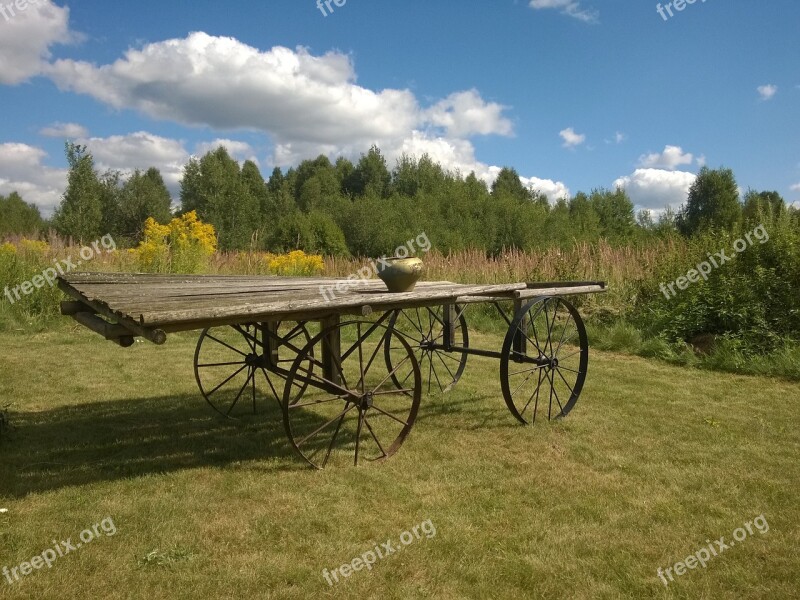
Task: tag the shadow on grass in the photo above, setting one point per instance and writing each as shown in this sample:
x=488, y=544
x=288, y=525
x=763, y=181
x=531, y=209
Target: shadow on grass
x=108, y=441
x=121, y=439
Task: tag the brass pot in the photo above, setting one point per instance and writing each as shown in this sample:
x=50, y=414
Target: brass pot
x=400, y=274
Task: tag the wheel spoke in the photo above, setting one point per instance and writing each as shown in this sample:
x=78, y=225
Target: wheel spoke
x=378, y=346
x=523, y=383
x=224, y=364
x=253, y=383
x=212, y=392
x=553, y=383
x=571, y=391
x=535, y=393
x=571, y=355
x=390, y=415
x=241, y=391
x=561, y=341
x=536, y=368
x=323, y=401
x=397, y=392
x=439, y=356
x=414, y=325
x=333, y=440
x=375, y=437
x=358, y=435
x=320, y=428
x=208, y=335
x=269, y=383
x=392, y=372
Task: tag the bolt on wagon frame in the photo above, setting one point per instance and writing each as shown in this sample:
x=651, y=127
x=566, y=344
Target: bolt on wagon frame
x=348, y=373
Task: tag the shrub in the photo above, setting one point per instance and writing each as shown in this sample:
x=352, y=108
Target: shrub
x=182, y=246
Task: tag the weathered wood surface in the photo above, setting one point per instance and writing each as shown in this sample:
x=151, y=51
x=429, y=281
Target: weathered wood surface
x=144, y=303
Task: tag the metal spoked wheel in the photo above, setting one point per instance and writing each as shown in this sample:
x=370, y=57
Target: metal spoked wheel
x=424, y=329
x=544, y=360
x=227, y=361
x=351, y=410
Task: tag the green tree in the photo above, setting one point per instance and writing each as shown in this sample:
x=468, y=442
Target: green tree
x=17, y=217
x=371, y=175
x=215, y=188
x=80, y=214
x=110, y=184
x=143, y=195
x=760, y=206
x=616, y=213
x=713, y=203
x=508, y=184
x=317, y=184
x=585, y=222
x=254, y=183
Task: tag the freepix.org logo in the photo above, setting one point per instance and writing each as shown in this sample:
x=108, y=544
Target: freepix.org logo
x=678, y=5
x=12, y=9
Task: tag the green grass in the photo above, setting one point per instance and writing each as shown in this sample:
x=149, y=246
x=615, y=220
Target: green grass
x=654, y=460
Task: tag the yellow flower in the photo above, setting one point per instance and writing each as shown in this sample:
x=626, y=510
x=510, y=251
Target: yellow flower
x=181, y=246
x=296, y=263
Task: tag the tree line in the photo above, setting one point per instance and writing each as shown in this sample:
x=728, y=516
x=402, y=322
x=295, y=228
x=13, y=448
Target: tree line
x=367, y=209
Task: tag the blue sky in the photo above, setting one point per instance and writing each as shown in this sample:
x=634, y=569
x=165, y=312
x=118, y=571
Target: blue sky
x=573, y=94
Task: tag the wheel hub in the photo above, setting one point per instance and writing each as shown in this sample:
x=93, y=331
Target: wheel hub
x=367, y=401
x=426, y=345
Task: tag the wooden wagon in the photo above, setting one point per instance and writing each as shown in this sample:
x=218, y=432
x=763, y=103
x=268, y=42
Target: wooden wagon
x=347, y=361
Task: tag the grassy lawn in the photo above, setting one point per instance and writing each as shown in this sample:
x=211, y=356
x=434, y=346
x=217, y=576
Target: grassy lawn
x=654, y=461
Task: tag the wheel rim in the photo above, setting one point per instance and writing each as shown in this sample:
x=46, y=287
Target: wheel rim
x=227, y=362
x=423, y=328
x=546, y=379
x=363, y=416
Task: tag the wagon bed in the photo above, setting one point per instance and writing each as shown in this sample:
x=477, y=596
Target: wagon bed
x=345, y=359
x=151, y=305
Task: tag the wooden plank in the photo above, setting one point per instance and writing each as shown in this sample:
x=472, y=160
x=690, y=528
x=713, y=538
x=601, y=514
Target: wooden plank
x=156, y=317
x=157, y=336
x=115, y=333
x=151, y=305
x=560, y=291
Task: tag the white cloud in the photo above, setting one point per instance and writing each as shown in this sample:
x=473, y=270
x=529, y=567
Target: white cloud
x=459, y=155
x=140, y=150
x=571, y=8
x=241, y=151
x=64, y=130
x=795, y=187
x=225, y=84
x=301, y=101
x=767, y=92
x=26, y=37
x=308, y=105
x=554, y=190
x=22, y=171
x=571, y=139
x=655, y=189
x=671, y=158
x=465, y=113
